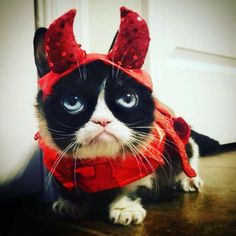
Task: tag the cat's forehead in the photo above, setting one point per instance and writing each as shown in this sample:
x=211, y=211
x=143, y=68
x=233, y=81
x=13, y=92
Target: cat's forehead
x=92, y=77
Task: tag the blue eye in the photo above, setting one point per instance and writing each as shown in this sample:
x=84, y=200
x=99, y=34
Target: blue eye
x=128, y=100
x=73, y=104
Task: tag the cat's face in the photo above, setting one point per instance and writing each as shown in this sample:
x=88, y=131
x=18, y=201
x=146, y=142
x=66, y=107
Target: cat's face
x=96, y=110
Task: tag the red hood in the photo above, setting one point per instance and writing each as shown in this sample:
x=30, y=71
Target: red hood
x=47, y=82
x=64, y=54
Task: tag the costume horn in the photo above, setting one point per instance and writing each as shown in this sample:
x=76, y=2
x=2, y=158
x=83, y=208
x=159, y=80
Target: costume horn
x=60, y=44
x=131, y=45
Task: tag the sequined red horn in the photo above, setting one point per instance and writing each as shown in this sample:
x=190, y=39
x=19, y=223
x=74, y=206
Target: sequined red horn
x=60, y=44
x=131, y=45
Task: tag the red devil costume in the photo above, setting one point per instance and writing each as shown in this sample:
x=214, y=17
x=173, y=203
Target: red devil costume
x=127, y=54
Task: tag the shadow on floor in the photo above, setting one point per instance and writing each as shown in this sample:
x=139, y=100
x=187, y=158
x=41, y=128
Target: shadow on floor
x=211, y=212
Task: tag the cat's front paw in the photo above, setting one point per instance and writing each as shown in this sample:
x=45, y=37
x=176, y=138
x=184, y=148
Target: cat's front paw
x=66, y=208
x=189, y=184
x=126, y=212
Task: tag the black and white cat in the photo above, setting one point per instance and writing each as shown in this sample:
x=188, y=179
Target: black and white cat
x=98, y=110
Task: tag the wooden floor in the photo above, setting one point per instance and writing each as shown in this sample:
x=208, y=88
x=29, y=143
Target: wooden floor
x=212, y=212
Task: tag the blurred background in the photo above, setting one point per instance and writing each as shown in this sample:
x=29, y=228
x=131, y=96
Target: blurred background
x=192, y=61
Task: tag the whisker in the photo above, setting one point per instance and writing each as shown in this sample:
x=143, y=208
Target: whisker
x=136, y=154
x=63, y=125
x=77, y=61
x=144, y=127
x=84, y=71
x=122, y=58
x=156, y=191
x=140, y=121
x=140, y=142
x=55, y=164
x=168, y=164
x=133, y=61
x=75, y=176
x=60, y=133
x=122, y=80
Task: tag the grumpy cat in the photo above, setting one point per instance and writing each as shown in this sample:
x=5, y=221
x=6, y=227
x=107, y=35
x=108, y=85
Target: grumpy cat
x=103, y=135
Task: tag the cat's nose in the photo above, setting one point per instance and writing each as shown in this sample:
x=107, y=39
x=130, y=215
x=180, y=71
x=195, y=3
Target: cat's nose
x=103, y=122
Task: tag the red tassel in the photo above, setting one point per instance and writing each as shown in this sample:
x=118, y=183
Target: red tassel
x=167, y=124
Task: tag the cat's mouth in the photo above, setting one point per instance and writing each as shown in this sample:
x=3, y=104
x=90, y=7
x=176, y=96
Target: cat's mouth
x=103, y=137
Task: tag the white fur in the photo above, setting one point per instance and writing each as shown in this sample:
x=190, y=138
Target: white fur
x=195, y=158
x=125, y=211
x=102, y=141
x=146, y=182
x=191, y=184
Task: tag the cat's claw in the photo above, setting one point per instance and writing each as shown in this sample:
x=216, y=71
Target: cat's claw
x=63, y=207
x=126, y=213
x=190, y=184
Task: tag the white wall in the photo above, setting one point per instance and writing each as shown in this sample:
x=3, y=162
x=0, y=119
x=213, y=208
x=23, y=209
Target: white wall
x=193, y=62
x=17, y=84
x=104, y=17
x=96, y=21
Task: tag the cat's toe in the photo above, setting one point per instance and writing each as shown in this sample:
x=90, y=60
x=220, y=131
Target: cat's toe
x=133, y=213
x=191, y=184
x=127, y=216
x=66, y=208
x=139, y=216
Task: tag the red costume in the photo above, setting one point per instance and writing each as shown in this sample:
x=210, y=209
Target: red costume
x=101, y=173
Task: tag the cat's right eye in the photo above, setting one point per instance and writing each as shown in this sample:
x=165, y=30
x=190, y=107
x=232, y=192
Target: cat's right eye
x=73, y=104
x=129, y=99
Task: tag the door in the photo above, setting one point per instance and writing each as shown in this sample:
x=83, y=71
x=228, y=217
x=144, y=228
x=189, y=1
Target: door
x=18, y=88
x=193, y=62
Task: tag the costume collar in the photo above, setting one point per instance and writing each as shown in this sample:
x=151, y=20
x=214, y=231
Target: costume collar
x=104, y=173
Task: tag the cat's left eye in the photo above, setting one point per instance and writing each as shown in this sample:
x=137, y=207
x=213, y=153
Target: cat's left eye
x=73, y=104
x=128, y=100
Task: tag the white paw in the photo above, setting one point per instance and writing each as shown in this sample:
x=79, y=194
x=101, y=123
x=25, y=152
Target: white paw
x=126, y=212
x=190, y=184
x=66, y=208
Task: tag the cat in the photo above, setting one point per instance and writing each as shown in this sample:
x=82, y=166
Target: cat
x=98, y=110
